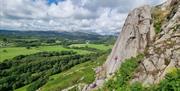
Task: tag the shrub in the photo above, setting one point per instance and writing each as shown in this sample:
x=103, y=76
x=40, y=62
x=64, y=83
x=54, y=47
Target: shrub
x=137, y=87
x=171, y=82
x=159, y=17
x=124, y=74
x=35, y=85
x=4, y=50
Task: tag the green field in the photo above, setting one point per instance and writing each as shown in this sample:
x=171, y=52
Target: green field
x=97, y=46
x=10, y=52
x=22, y=88
x=82, y=73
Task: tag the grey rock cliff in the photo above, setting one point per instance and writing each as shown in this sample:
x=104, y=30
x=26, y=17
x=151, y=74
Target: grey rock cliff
x=163, y=55
x=162, y=50
x=133, y=39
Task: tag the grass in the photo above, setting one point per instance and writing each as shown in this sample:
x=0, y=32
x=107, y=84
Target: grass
x=60, y=48
x=82, y=73
x=22, y=88
x=97, y=46
x=120, y=82
x=158, y=17
x=69, y=78
x=10, y=52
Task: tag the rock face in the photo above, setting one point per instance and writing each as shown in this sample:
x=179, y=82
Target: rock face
x=161, y=49
x=163, y=54
x=133, y=39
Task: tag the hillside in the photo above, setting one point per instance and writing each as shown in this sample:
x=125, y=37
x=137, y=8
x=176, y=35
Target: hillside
x=48, y=61
x=147, y=51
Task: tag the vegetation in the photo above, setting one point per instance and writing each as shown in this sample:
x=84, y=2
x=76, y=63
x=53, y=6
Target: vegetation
x=49, y=60
x=120, y=82
x=79, y=74
x=14, y=43
x=171, y=82
x=23, y=70
x=92, y=46
x=125, y=73
x=10, y=52
x=159, y=17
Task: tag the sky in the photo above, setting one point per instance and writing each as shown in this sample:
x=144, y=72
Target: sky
x=100, y=16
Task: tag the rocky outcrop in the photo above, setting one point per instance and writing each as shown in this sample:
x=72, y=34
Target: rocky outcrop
x=161, y=49
x=163, y=54
x=133, y=39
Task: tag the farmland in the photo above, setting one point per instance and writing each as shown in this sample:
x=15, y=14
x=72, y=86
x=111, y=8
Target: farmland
x=10, y=52
x=48, y=62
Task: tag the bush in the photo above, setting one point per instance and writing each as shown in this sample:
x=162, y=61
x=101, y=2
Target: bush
x=4, y=50
x=28, y=47
x=137, y=87
x=171, y=82
x=35, y=85
x=124, y=74
x=159, y=17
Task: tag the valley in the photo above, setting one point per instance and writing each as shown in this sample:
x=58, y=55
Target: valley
x=33, y=63
x=90, y=45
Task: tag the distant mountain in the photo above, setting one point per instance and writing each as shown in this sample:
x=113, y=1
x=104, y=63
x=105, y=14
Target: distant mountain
x=52, y=34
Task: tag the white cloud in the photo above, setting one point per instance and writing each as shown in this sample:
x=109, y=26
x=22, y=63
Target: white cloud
x=102, y=16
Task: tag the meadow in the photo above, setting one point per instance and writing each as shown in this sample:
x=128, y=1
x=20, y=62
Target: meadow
x=10, y=52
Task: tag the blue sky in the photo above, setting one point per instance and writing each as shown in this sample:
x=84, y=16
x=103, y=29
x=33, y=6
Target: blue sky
x=54, y=1
x=100, y=16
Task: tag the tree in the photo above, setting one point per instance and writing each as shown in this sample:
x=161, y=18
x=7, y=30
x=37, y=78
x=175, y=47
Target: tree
x=28, y=47
x=4, y=40
x=4, y=50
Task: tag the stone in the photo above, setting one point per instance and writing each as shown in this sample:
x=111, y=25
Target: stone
x=149, y=66
x=163, y=38
x=149, y=80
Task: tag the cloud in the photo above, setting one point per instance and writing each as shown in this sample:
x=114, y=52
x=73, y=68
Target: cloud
x=101, y=16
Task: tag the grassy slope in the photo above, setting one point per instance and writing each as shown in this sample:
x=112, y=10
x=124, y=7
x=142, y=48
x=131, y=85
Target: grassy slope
x=15, y=51
x=82, y=73
x=22, y=88
x=97, y=46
